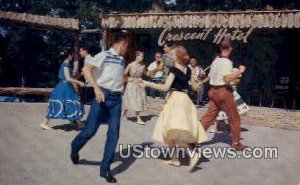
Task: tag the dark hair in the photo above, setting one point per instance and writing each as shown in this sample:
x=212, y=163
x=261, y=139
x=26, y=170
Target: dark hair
x=168, y=44
x=225, y=44
x=120, y=36
x=138, y=53
x=157, y=52
x=65, y=53
x=193, y=57
x=171, y=45
x=85, y=48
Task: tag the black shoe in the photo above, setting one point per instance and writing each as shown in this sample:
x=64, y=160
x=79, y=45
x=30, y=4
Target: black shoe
x=75, y=158
x=108, y=177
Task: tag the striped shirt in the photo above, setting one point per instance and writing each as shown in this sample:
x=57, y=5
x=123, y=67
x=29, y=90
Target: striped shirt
x=109, y=70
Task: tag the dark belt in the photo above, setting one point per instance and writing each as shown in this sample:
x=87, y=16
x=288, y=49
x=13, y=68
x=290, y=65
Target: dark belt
x=219, y=86
x=182, y=90
x=227, y=87
x=110, y=91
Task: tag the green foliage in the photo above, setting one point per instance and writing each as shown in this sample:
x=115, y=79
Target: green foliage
x=217, y=5
x=34, y=54
x=260, y=56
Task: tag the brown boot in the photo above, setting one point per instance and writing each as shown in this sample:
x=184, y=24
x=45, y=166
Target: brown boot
x=238, y=146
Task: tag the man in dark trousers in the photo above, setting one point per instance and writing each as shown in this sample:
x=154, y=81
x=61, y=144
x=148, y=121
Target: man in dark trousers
x=221, y=98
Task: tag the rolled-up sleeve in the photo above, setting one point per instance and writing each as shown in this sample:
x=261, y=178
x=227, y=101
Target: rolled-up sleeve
x=98, y=60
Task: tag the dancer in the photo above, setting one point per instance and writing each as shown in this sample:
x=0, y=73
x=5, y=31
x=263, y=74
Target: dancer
x=106, y=75
x=87, y=93
x=241, y=105
x=64, y=102
x=85, y=53
x=178, y=123
x=134, y=95
x=220, y=94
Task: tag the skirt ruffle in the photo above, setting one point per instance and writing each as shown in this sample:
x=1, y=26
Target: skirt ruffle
x=178, y=121
x=134, y=97
x=64, y=103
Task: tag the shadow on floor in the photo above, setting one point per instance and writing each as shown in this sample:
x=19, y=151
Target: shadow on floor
x=225, y=127
x=183, y=157
x=144, y=118
x=219, y=137
x=127, y=158
x=71, y=126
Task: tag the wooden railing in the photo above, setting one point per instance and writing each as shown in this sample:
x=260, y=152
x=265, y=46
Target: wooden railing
x=25, y=91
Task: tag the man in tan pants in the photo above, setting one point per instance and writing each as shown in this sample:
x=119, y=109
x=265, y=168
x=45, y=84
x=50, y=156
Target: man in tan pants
x=221, y=97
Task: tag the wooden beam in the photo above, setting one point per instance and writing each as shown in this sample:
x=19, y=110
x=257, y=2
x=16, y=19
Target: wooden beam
x=76, y=38
x=180, y=20
x=97, y=30
x=197, y=13
x=38, y=21
x=104, y=39
x=25, y=91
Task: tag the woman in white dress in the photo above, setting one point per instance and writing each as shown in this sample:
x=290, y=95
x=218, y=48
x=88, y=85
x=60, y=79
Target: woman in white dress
x=178, y=122
x=135, y=96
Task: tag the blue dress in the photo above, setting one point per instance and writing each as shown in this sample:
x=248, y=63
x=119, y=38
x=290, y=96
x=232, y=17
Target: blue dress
x=64, y=102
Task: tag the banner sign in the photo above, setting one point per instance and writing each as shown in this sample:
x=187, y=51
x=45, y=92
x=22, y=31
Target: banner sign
x=170, y=35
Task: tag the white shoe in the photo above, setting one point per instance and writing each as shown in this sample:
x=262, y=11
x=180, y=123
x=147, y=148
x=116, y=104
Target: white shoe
x=194, y=161
x=45, y=126
x=140, y=122
x=173, y=162
x=213, y=130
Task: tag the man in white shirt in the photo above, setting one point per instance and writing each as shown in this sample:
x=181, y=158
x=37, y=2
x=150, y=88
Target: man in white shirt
x=221, y=97
x=197, y=74
x=152, y=68
x=87, y=93
x=155, y=72
x=106, y=75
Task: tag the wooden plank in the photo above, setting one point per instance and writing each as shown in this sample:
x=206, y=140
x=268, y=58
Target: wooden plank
x=241, y=19
x=38, y=21
x=97, y=30
x=25, y=91
x=197, y=13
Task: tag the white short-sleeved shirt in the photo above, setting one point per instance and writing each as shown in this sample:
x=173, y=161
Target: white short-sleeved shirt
x=219, y=68
x=109, y=70
x=87, y=59
x=197, y=71
x=152, y=66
